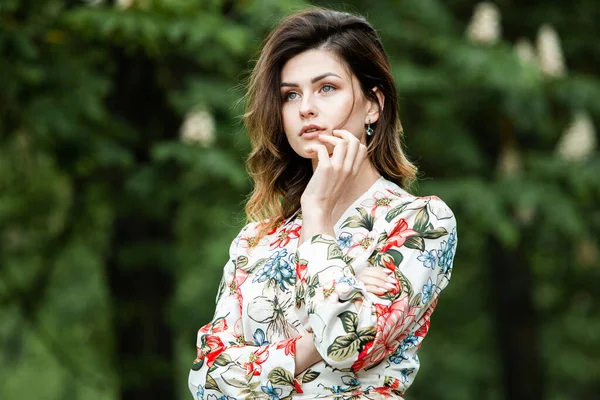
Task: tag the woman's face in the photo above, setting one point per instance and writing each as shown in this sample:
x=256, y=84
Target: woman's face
x=319, y=95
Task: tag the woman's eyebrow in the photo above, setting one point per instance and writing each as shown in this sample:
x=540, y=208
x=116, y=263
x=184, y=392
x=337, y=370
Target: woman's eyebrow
x=313, y=80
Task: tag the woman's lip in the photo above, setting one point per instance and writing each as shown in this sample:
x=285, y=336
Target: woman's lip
x=313, y=134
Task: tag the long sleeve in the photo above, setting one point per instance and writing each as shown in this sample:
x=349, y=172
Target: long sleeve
x=227, y=363
x=356, y=329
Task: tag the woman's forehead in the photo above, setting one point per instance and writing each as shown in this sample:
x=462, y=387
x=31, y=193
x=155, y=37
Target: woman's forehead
x=311, y=64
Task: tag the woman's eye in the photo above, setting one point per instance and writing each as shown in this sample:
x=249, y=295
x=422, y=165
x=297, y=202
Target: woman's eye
x=290, y=96
x=327, y=88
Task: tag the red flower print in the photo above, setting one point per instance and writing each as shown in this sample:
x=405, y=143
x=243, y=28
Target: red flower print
x=277, y=226
x=426, y=319
x=391, y=323
x=398, y=235
x=211, y=348
x=289, y=345
x=298, y=387
x=392, y=383
x=301, y=269
x=214, y=353
x=379, y=204
x=218, y=325
x=253, y=366
x=286, y=235
x=384, y=391
x=247, y=242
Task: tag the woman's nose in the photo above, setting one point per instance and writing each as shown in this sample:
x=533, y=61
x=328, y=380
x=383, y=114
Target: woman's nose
x=307, y=107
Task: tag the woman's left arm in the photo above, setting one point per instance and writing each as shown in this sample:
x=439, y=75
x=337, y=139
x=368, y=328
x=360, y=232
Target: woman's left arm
x=355, y=329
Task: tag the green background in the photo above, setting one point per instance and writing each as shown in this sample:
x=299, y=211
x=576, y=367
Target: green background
x=114, y=230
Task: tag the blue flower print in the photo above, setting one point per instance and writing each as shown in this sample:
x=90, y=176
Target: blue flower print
x=213, y=397
x=405, y=373
x=200, y=393
x=446, y=253
x=410, y=340
x=428, y=258
x=277, y=270
x=399, y=354
x=272, y=392
x=260, y=338
x=347, y=279
x=427, y=291
x=350, y=381
x=345, y=240
x=452, y=238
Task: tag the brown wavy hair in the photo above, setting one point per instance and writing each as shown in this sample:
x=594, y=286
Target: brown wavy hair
x=279, y=174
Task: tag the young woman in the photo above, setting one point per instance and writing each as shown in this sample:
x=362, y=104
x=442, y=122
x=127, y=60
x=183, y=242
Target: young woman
x=328, y=294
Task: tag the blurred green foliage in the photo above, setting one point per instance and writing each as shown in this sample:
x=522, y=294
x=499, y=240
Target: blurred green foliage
x=113, y=224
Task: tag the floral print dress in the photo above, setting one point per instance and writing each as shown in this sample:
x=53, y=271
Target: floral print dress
x=274, y=291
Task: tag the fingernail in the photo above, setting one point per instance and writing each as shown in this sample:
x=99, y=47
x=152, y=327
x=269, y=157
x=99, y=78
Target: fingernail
x=388, y=271
x=392, y=279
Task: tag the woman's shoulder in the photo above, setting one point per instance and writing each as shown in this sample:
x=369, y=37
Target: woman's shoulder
x=398, y=201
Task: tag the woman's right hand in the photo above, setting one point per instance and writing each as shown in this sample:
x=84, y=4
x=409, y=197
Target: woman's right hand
x=378, y=281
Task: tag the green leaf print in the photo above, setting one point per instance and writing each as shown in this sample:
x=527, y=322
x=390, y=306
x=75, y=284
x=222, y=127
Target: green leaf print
x=238, y=383
x=256, y=265
x=394, y=212
x=223, y=360
x=415, y=242
x=434, y=233
x=421, y=220
x=365, y=335
x=310, y=376
x=320, y=239
x=197, y=365
x=349, y=321
x=382, y=237
x=406, y=285
x=210, y=383
x=344, y=347
x=221, y=289
x=396, y=255
x=241, y=262
x=334, y=251
x=281, y=376
x=312, y=283
x=416, y=301
x=299, y=296
x=365, y=220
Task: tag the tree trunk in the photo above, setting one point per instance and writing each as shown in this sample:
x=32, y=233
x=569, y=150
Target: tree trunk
x=514, y=313
x=140, y=268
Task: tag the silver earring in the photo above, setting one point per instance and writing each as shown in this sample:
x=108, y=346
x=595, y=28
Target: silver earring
x=369, y=129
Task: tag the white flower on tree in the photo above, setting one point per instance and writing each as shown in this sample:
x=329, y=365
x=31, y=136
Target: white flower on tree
x=579, y=140
x=526, y=51
x=198, y=127
x=550, y=55
x=485, y=26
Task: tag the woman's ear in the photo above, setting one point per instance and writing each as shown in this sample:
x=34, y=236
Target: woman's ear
x=373, y=108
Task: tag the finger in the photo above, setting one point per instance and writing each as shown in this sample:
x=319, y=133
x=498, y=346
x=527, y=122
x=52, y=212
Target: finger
x=330, y=139
x=375, y=289
x=369, y=280
x=382, y=273
x=351, y=152
x=339, y=149
x=322, y=153
x=322, y=156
